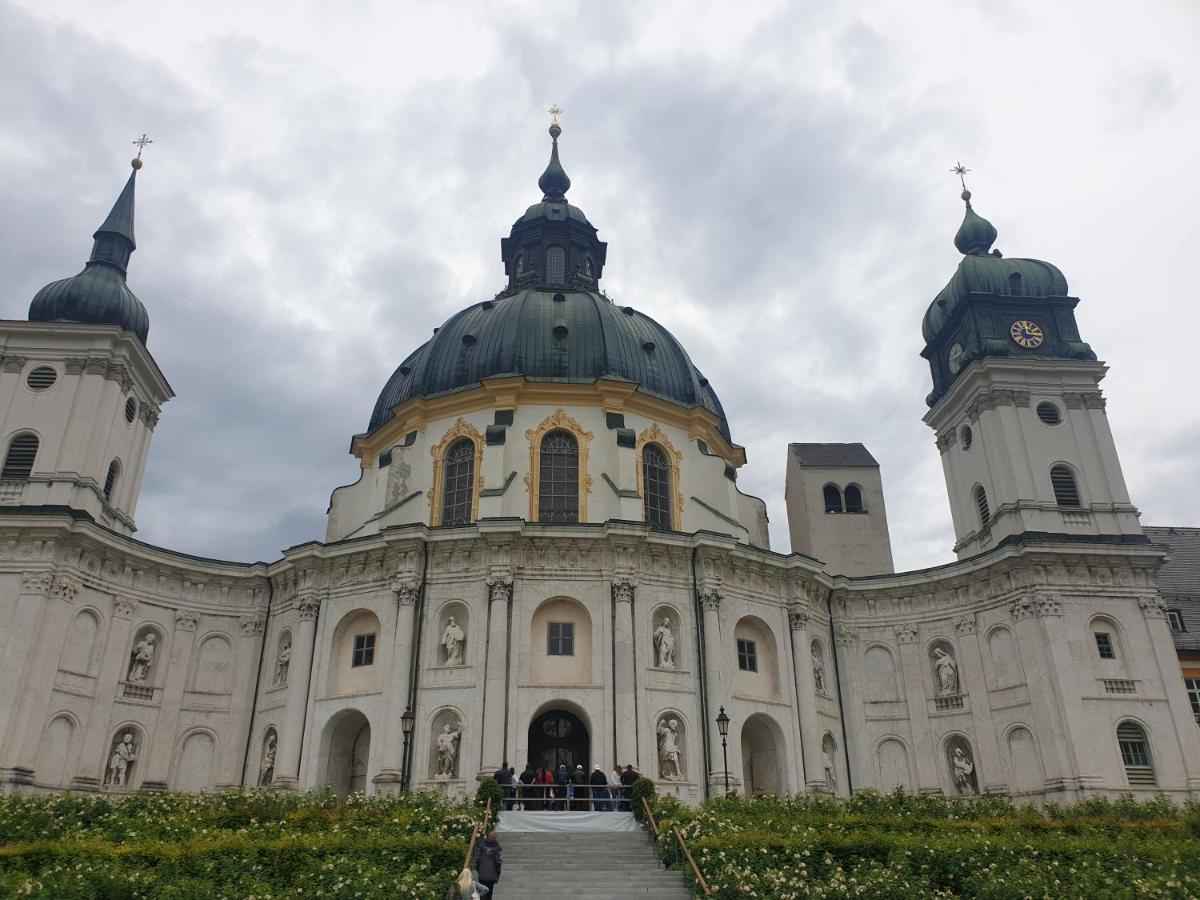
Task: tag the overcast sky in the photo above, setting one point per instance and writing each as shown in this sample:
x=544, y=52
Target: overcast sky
x=329, y=182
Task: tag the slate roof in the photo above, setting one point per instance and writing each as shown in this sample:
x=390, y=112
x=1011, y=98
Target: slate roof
x=834, y=456
x=1179, y=580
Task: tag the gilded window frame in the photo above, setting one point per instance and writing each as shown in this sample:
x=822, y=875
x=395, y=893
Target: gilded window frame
x=460, y=429
x=557, y=421
x=655, y=435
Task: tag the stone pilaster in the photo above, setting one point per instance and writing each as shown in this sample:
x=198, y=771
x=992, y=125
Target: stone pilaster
x=715, y=688
x=495, y=689
x=158, y=772
x=806, y=697
x=94, y=751
x=625, y=675
x=287, y=758
x=391, y=773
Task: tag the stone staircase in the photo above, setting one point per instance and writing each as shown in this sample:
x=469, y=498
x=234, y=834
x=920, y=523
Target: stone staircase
x=557, y=865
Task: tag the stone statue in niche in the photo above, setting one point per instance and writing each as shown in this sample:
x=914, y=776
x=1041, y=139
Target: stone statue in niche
x=120, y=763
x=668, y=750
x=266, y=771
x=141, y=659
x=830, y=769
x=964, y=771
x=947, y=673
x=818, y=674
x=664, y=645
x=452, y=642
x=447, y=750
x=281, y=663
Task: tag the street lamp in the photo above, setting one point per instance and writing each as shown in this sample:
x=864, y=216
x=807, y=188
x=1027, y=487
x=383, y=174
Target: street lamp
x=407, y=721
x=723, y=727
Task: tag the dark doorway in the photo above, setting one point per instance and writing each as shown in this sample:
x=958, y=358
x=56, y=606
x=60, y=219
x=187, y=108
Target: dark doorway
x=558, y=738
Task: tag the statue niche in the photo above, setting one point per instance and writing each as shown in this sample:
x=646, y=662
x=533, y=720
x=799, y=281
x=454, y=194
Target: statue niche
x=962, y=766
x=266, y=768
x=671, y=763
x=447, y=741
x=665, y=639
x=945, y=670
x=283, y=659
x=122, y=759
x=142, y=659
x=818, y=665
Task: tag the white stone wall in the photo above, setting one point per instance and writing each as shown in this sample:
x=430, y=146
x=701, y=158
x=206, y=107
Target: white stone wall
x=847, y=543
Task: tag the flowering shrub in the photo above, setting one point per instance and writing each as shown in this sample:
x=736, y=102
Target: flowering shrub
x=884, y=846
x=253, y=844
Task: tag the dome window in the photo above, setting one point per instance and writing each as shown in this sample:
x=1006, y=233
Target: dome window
x=1014, y=284
x=1066, y=491
x=981, y=504
x=656, y=487
x=558, y=478
x=18, y=462
x=560, y=331
x=458, y=486
x=560, y=298
x=648, y=346
x=468, y=340
x=41, y=379
x=556, y=265
x=130, y=410
x=110, y=481
x=854, y=503
x=628, y=310
x=833, y=498
x=1048, y=413
x=486, y=304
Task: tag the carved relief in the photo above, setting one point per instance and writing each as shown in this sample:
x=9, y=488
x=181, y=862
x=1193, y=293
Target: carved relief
x=398, y=473
x=252, y=624
x=965, y=624
x=406, y=590
x=309, y=607
x=185, y=620
x=499, y=588
x=797, y=618
x=906, y=634
x=710, y=598
x=65, y=588
x=846, y=635
x=623, y=589
x=35, y=582
x=1153, y=607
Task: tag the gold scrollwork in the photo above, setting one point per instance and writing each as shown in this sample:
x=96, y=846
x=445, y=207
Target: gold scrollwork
x=559, y=421
x=460, y=429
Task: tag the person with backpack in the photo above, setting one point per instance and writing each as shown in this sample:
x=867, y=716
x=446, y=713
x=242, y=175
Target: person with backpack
x=487, y=863
x=628, y=777
x=504, y=778
x=525, y=792
x=562, y=784
x=599, y=784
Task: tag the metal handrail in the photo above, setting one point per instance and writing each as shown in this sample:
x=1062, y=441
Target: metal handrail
x=687, y=854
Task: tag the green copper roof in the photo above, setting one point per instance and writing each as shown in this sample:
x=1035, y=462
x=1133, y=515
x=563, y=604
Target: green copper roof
x=976, y=234
x=120, y=219
x=992, y=275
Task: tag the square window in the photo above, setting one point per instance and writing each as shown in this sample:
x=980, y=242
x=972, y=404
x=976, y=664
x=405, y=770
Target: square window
x=364, y=650
x=747, y=656
x=1175, y=617
x=1105, y=645
x=560, y=639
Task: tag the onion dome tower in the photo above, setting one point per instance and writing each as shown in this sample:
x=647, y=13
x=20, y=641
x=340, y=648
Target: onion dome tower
x=99, y=295
x=1016, y=405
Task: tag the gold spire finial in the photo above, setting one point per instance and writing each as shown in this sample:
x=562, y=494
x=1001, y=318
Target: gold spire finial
x=555, y=112
x=140, y=143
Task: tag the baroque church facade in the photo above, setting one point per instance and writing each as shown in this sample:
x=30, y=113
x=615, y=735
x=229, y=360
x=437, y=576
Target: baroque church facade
x=547, y=558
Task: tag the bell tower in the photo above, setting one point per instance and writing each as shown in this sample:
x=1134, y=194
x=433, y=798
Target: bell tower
x=1016, y=404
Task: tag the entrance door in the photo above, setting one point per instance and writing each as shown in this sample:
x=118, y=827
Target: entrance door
x=558, y=738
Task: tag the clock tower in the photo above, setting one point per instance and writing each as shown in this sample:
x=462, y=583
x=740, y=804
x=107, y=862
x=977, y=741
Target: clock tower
x=1016, y=404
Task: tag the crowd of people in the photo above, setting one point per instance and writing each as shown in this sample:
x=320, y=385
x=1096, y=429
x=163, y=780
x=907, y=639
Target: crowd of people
x=546, y=788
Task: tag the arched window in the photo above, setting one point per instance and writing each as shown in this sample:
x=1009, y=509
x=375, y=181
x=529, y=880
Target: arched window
x=1135, y=753
x=854, y=502
x=22, y=451
x=556, y=265
x=110, y=481
x=458, y=483
x=656, y=486
x=833, y=499
x=1014, y=284
x=519, y=264
x=1066, y=491
x=981, y=503
x=558, y=478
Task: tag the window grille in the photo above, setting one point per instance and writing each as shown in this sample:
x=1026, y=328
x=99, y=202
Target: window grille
x=968, y=438
x=110, y=481
x=747, y=655
x=854, y=502
x=833, y=499
x=556, y=265
x=458, y=483
x=981, y=503
x=22, y=451
x=1135, y=753
x=1066, y=492
x=130, y=410
x=1104, y=644
x=1193, y=692
x=364, y=650
x=1175, y=617
x=1048, y=413
x=41, y=378
x=560, y=639
x=656, y=487
x=558, y=478
x=1120, y=686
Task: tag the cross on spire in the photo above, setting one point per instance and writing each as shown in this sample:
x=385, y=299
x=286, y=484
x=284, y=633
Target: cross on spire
x=555, y=112
x=141, y=143
x=961, y=171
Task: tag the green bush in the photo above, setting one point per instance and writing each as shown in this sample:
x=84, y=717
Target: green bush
x=642, y=788
x=489, y=789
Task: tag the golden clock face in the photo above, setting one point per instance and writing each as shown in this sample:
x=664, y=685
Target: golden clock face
x=1027, y=334
x=955, y=358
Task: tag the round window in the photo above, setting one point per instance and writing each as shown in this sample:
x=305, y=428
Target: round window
x=41, y=379
x=1048, y=413
x=130, y=410
x=968, y=437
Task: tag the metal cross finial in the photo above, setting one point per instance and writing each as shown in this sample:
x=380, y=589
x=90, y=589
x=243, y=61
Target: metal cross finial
x=961, y=171
x=555, y=112
x=141, y=143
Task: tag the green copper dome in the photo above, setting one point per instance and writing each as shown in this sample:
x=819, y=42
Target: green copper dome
x=99, y=295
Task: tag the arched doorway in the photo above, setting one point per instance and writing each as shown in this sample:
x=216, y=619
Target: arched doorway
x=762, y=761
x=349, y=752
x=558, y=738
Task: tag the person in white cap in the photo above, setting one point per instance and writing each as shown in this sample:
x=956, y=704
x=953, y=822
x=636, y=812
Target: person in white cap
x=599, y=784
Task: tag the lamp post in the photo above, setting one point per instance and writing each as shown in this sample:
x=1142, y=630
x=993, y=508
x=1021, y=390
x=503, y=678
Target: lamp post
x=723, y=727
x=407, y=721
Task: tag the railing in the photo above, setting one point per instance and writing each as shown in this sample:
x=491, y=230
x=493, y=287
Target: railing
x=953, y=701
x=563, y=797
x=687, y=854
x=481, y=826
